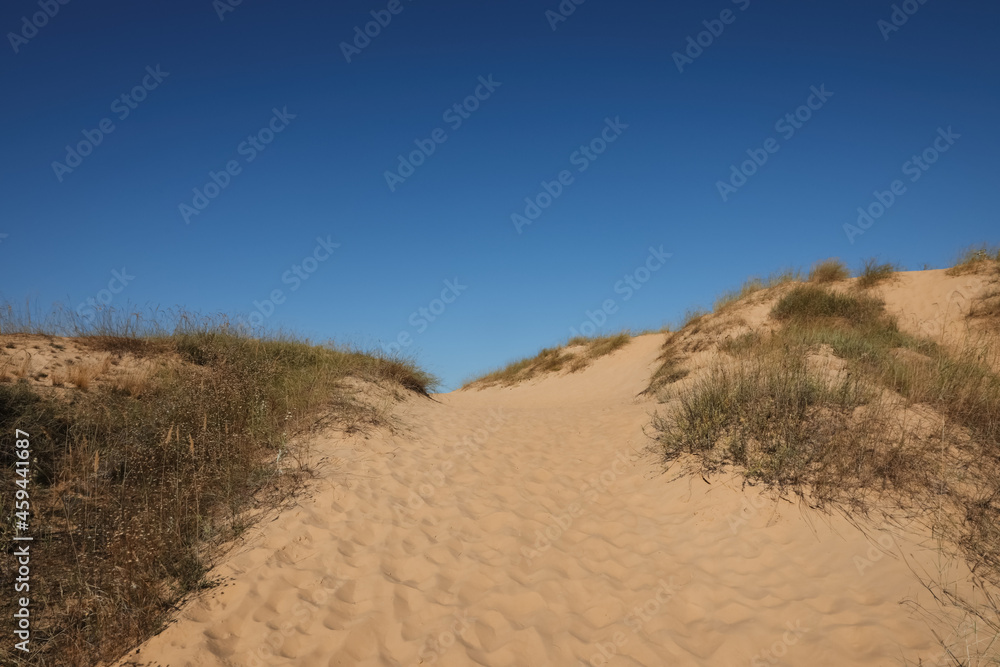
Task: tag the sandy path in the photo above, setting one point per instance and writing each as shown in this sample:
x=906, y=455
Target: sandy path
x=525, y=527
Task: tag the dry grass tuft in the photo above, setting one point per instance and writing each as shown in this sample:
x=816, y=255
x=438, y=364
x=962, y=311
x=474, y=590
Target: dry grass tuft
x=829, y=271
x=134, y=381
x=552, y=360
x=670, y=369
x=982, y=257
x=83, y=374
x=872, y=273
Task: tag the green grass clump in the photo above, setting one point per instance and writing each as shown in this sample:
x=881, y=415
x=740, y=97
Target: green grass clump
x=812, y=301
x=135, y=492
x=553, y=359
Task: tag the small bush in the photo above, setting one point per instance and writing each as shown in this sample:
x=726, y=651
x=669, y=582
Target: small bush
x=829, y=271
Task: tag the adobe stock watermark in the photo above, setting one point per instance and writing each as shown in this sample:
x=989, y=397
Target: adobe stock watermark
x=88, y=308
x=223, y=7
x=874, y=553
x=381, y=18
x=422, y=317
x=455, y=116
x=249, y=149
x=914, y=168
x=714, y=28
x=630, y=283
x=772, y=654
x=37, y=21
x=786, y=126
x=562, y=12
x=900, y=14
x=749, y=507
x=635, y=621
x=122, y=106
x=436, y=645
x=294, y=276
x=581, y=158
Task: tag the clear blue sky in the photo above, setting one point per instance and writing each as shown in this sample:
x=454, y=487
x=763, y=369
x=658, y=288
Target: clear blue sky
x=609, y=65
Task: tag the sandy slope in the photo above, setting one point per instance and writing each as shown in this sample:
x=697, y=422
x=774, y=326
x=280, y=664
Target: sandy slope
x=933, y=303
x=526, y=527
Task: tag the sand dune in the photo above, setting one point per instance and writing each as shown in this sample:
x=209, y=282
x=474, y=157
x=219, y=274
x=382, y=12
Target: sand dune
x=527, y=526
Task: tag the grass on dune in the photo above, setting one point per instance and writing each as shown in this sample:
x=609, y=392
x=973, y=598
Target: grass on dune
x=829, y=405
x=976, y=258
x=753, y=285
x=872, y=273
x=879, y=357
x=575, y=355
x=137, y=484
x=829, y=271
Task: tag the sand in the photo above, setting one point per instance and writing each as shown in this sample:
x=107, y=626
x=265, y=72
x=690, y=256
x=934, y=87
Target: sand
x=531, y=526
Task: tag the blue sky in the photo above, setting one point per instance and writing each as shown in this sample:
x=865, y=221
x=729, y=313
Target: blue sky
x=640, y=136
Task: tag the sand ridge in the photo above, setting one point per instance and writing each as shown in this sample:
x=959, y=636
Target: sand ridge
x=530, y=526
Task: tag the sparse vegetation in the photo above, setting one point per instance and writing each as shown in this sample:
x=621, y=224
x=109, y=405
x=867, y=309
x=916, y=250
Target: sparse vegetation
x=976, y=258
x=872, y=273
x=670, y=369
x=987, y=305
x=753, y=285
x=139, y=482
x=841, y=406
x=829, y=271
x=692, y=318
x=575, y=355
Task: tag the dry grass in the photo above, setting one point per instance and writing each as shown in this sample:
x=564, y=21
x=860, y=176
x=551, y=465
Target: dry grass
x=987, y=305
x=903, y=420
x=140, y=482
x=872, y=273
x=812, y=301
x=975, y=259
x=670, y=369
x=829, y=271
x=754, y=285
x=575, y=355
x=134, y=381
x=82, y=374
